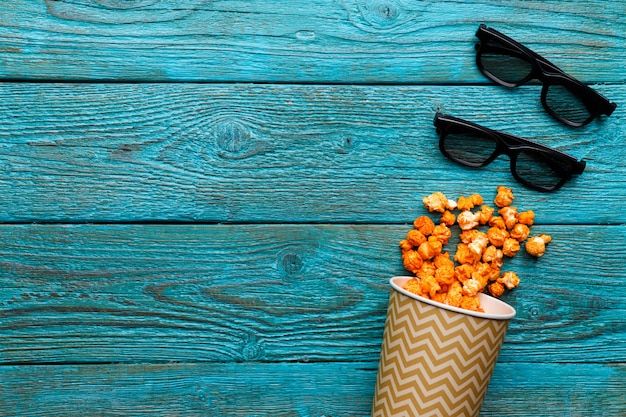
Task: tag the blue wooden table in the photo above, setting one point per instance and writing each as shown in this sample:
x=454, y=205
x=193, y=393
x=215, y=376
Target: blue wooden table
x=202, y=201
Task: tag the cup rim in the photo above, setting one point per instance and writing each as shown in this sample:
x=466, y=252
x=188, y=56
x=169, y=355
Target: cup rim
x=507, y=315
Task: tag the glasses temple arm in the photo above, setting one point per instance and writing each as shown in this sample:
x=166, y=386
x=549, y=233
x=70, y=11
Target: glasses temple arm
x=548, y=67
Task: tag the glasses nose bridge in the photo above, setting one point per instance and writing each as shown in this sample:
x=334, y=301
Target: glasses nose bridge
x=506, y=146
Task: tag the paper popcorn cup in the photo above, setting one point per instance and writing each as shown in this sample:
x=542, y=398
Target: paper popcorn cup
x=437, y=360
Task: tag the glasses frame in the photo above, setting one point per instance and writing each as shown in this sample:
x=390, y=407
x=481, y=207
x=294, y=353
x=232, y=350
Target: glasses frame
x=546, y=72
x=509, y=145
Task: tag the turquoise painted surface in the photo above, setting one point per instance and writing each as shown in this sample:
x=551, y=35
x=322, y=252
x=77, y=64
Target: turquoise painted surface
x=353, y=41
x=202, y=202
x=239, y=153
x=314, y=389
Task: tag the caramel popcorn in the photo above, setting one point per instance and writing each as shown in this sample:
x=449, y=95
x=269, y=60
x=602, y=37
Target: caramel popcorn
x=471, y=303
x=485, y=214
x=486, y=272
x=509, y=279
x=496, y=289
x=472, y=287
x=447, y=218
x=413, y=285
x=493, y=256
x=429, y=249
x=504, y=197
x=445, y=275
x=470, y=202
x=467, y=236
x=412, y=261
x=427, y=270
x=478, y=245
x=457, y=279
x=464, y=255
x=424, y=224
x=438, y=202
x=520, y=232
x=440, y=297
x=497, y=221
x=444, y=272
x=443, y=260
x=405, y=246
x=415, y=238
x=536, y=246
x=454, y=295
x=467, y=220
x=497, y=236
x=442, y=233
x=526, y=217
x=510, y=247
x=509, y=215
x=429, y=286
x=463, y=272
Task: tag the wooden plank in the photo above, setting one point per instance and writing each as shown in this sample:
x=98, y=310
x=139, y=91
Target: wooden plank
x=223, y=293
x=321, y=389
x=277, y=153
x=374, y=41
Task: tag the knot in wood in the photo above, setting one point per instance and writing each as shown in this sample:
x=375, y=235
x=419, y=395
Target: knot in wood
x=533, y=312
x=381, y=14
x=232, y=139
x=305, y=35
x=291, y=262
x=253, y=351
x=345, y=144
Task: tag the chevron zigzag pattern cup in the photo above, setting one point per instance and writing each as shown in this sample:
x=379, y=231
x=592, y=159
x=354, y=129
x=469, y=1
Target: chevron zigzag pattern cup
x=437, y=360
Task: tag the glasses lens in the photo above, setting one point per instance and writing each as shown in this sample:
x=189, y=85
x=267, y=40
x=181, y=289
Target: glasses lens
x=540, y=169
x=504, y=62
x=567, y=104
x=470, y=148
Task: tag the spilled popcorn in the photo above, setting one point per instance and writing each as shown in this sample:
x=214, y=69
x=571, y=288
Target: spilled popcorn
x=476, y=266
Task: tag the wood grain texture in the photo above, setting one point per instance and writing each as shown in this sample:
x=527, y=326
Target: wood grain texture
x=348, y=41
x=274, y=293
x=202, y=200
x=268, y=153
x=288, y=390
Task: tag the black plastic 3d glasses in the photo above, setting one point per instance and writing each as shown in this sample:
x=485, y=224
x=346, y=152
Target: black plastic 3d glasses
x=532, y=164
x=509, y=63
